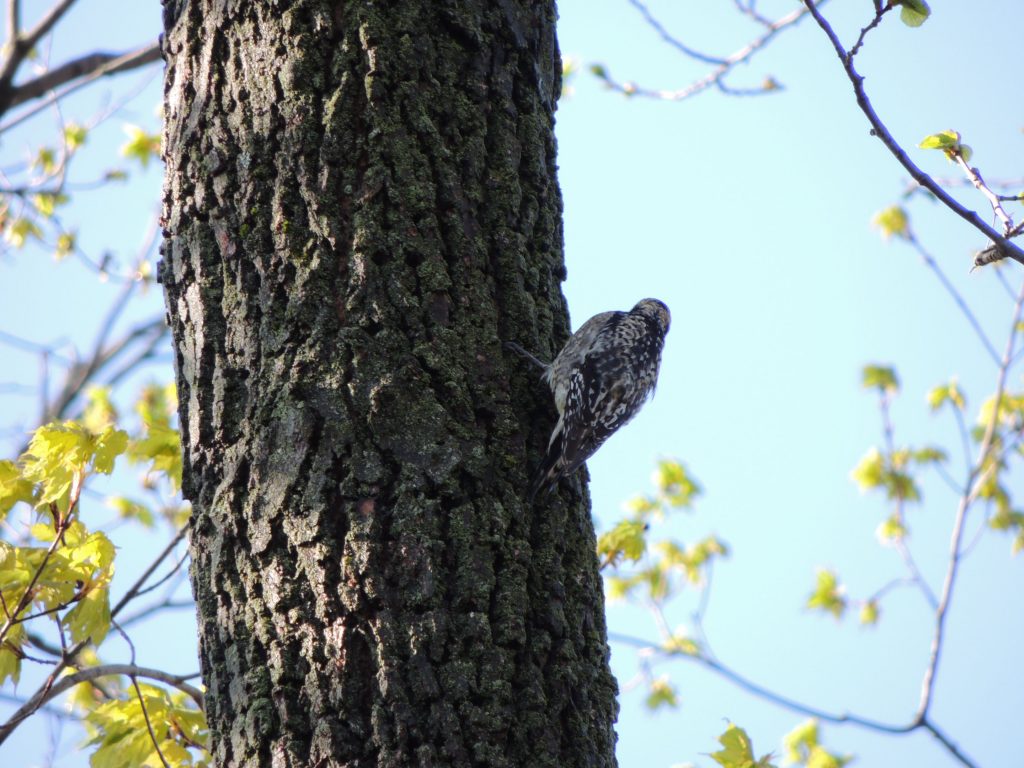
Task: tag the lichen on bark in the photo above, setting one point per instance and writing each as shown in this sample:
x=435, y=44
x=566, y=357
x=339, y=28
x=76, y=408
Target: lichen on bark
x=361, y=204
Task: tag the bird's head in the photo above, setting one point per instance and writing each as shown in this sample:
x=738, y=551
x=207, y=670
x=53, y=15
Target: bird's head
x=655, y=309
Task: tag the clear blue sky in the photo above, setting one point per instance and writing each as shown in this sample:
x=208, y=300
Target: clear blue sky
x=750, y=218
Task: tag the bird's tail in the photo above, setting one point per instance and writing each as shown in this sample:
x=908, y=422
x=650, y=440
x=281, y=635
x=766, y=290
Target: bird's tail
x=550, y=471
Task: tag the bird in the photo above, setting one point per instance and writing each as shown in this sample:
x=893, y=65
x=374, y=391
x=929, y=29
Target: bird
x=600, y=380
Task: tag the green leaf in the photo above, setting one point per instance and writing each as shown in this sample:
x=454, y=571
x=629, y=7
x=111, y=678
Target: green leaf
x=828, y=594
x=74, y=136
x=10, y=661
x=13, y=487
x=45, y=160
x=162, y=448
x=737, y=751
x=20, y=230
x=881, y=376
x=598, y=71
x=66, y=242
x=893, y=222
x=803, y=747
x=141, y=146
x=90, y=618
x=58, y=453
x=945, y=140
x=930, y=455
x=800, y=739
x=870, y=471
x=119, y=729
x=675, y=484
x=891, y=530
x=869, y=613
x=133, y=510
x=100, y=412
x=679, y=643
x=947, y=393
x=46, y=202
x=109, y=444
x=625, y=541
x=914, y=13
x=661, y=694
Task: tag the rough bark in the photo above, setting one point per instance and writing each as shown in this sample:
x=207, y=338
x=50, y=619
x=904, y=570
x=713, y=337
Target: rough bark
x=360, y=205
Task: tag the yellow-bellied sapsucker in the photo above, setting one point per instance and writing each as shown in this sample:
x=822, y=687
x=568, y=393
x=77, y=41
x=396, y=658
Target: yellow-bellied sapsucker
x=600, y=380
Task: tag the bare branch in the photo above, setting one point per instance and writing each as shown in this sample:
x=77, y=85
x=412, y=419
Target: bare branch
x=20, y=46
x=673, y=41
x=970, y=493
x=136, y=588
x=130, y=60
x=954, y=294
x=13, y=20
x=47, y=694
x=974, y=176
x=1004, y=247
x=901, y=546
x=86, y=66
x=724, y=66
x=793, y=705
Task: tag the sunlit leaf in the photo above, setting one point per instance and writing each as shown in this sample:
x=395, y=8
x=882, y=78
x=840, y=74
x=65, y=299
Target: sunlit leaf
x=893, y=222
x=661, y=694
x=882, y=377
x=141, y=146
x=20, y=230
x=891, y=530
x=945, y=140
x=625, y=541
x=737, y=751
x=74, y=136
x=828, y=594
x=680, y=643
x=100, y=412
x=870, y=470
x=13, y=487
x=947, y=393
x=90, y=618
x=118, y=729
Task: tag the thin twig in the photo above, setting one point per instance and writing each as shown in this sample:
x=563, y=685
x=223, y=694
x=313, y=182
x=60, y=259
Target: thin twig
x=134, y=590
x=977, y=477
x=901, y=546
x=793, y=705
x=965, y=310
x=663, y=33
x=974, y=176
x=717, y=75
x=138, y=693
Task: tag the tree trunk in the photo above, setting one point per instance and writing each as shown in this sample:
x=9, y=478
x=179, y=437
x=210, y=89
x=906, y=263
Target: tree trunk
x=360, y=206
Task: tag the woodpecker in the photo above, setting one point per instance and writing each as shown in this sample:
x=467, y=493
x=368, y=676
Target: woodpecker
x=600, y=380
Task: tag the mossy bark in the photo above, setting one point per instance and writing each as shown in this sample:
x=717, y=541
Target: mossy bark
x=360, y=205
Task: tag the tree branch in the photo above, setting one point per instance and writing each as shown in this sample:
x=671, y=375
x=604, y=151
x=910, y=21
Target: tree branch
x=724, y=66
x=47, y=694
x=955, y=294
x=970, y=493
x=102, y=63
x=1005, y=248
x=20, y=45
